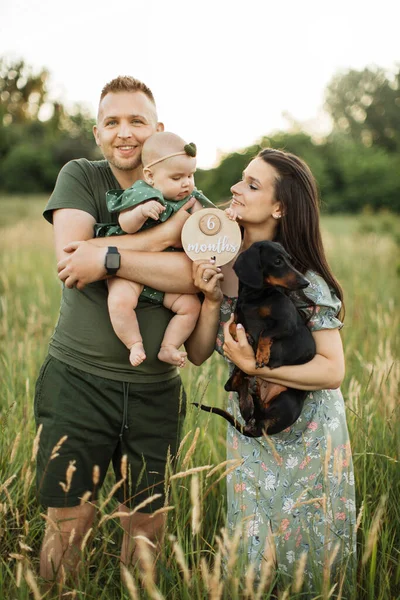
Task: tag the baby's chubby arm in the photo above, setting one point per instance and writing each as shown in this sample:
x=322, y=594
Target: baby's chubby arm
x=132, y=219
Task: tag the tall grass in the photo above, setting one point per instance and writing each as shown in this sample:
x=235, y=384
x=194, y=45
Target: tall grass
x=197, y=546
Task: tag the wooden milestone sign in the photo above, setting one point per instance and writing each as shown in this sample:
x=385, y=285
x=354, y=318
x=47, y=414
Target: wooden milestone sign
x=208, y=233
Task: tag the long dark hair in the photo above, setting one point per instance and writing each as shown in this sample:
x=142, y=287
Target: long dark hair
x=299, y=229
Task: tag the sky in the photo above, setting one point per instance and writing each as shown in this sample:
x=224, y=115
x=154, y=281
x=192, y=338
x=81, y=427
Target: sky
x=224, y=73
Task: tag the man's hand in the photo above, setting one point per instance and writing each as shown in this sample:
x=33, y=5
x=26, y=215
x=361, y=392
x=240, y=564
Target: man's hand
x=84, y=264
x=173, y=226
x=152, y=209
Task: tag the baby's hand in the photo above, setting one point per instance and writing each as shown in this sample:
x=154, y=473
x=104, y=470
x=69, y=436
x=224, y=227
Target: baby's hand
x=232, y=214
x=152, y=209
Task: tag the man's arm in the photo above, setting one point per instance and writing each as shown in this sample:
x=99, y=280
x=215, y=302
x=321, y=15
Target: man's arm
x=70, y=224
x=82, y=262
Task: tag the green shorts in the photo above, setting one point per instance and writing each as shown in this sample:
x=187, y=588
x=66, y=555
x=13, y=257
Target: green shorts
x=104, y=420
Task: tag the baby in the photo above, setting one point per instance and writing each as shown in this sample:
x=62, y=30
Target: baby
x=169, y=165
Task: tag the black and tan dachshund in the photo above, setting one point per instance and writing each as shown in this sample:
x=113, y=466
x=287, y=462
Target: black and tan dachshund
x=277, y=334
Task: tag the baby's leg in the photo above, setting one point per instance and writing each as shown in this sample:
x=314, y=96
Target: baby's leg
x=187, y=308
x=122, y=300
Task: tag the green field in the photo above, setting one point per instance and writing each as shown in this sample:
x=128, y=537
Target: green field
x=364, y=254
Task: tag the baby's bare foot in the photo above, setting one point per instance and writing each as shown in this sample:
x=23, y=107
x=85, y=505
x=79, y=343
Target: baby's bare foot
x=172, y=355
x=137, y=355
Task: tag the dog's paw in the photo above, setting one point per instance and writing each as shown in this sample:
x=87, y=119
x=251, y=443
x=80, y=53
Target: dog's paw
x=261, y=364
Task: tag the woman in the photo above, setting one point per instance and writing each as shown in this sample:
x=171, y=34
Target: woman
x=294, y=491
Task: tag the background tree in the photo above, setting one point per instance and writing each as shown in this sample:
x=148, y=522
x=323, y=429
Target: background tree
x=37, y=135
x=217, y=182
x=357, y=166
x=359, y=177
x=22, y=93
x=366, y=105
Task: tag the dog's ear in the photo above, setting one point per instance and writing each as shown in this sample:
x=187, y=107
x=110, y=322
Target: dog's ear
x=248, y=267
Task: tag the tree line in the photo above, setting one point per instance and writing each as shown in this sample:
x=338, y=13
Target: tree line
x=356, y=166
x=37, y=135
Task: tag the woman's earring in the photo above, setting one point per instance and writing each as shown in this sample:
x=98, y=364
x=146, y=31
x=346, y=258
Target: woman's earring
x=276, y=216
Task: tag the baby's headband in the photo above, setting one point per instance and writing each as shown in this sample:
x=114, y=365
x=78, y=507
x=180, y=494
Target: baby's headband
x=188, y=150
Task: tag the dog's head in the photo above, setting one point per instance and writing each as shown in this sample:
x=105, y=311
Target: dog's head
x=268, y=263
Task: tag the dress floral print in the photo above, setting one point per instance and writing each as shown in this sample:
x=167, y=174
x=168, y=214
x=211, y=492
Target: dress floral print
x=294, y=493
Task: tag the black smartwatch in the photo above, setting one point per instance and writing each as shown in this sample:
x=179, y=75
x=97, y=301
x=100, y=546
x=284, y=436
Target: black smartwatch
x=112, y=261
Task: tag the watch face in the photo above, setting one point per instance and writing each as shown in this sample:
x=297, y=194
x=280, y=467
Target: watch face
x=113, y=261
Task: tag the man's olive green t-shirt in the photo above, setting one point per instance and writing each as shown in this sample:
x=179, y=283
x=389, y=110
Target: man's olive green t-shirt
x=84, y=337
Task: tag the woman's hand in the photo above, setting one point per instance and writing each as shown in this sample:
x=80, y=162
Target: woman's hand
x=207, y=277
x=239, y=352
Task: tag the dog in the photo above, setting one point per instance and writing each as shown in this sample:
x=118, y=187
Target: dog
x=278, y=335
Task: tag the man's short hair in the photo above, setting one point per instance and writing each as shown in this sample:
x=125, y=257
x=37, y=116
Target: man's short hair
x=125, y=83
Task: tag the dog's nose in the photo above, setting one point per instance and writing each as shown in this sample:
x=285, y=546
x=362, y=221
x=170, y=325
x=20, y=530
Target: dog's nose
x=304, y=283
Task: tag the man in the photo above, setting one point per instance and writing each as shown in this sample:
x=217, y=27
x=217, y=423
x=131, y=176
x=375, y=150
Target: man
x=93, y=406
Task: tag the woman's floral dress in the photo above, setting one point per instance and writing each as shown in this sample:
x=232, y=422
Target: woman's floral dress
x=295, y=494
